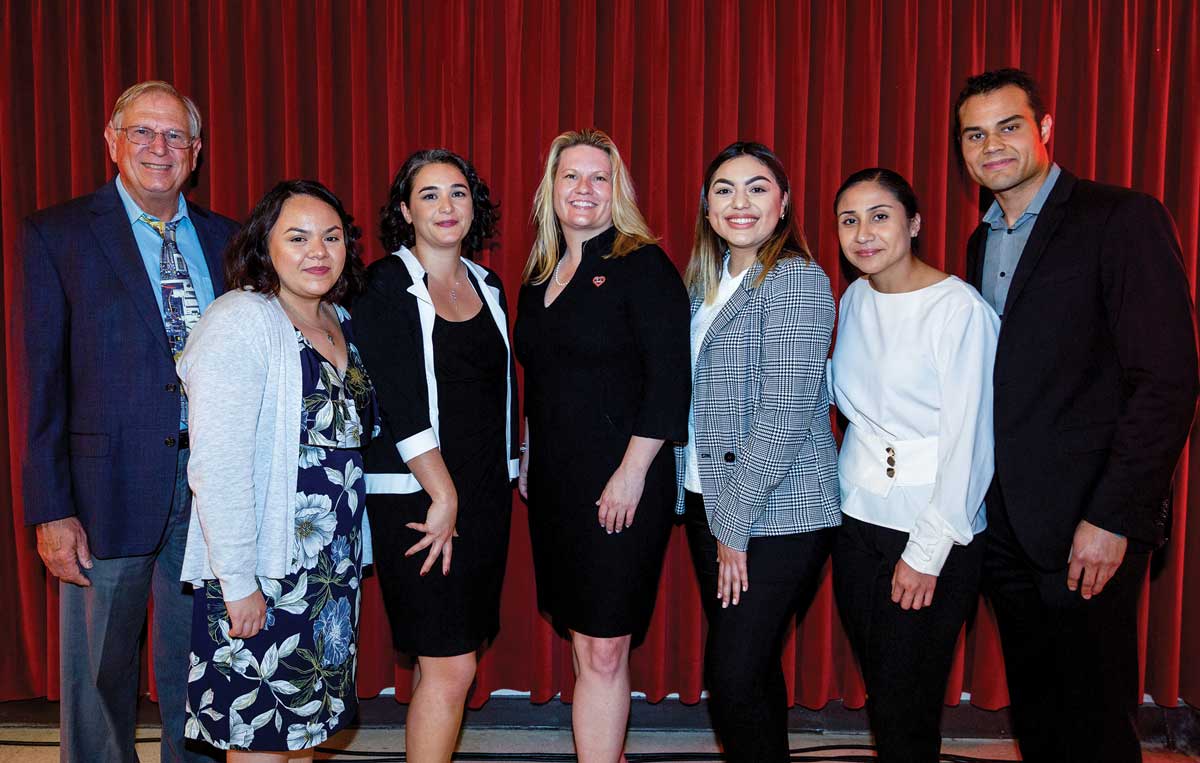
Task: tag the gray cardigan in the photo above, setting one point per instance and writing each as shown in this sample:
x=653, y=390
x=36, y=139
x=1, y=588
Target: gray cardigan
x=241, y=370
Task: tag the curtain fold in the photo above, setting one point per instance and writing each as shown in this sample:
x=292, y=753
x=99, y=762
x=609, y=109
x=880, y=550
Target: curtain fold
x=344, y=91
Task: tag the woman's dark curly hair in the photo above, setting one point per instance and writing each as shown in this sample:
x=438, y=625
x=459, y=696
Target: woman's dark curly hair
x=248, y=256
x=395, y=231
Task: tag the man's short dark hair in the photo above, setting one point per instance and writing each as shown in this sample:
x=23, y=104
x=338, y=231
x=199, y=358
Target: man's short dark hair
x=989, y=82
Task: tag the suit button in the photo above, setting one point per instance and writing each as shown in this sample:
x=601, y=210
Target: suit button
x=729, y=457
x=169, y=442
x=171, y=388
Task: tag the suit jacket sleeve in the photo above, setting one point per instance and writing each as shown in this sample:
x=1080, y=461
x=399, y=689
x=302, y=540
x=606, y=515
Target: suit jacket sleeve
x=389, y=344
x=797, y=329
x=1150, y=315
x=660, y=316
x=44, y=370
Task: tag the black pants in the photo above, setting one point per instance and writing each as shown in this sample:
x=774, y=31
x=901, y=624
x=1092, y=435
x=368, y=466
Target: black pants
x=1071, y=664
x=904, y=655
x=747, y=695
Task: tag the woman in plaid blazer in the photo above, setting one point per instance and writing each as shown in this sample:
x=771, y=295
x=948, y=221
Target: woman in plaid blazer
x=758, y=479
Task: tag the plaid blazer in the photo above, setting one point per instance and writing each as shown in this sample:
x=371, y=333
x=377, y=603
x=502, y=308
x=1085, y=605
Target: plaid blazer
x=767, y=457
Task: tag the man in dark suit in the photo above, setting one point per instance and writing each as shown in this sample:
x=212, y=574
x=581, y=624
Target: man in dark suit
x=1095, y=389
x=112, y=282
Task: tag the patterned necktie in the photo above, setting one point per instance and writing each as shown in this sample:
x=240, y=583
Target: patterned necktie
x=180, y=307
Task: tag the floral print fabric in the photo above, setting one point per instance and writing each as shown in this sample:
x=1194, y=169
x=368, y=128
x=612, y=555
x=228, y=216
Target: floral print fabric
x=293, y=684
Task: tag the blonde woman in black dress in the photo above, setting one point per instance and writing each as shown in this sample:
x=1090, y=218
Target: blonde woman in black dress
x=602, y=331
x=434, y=332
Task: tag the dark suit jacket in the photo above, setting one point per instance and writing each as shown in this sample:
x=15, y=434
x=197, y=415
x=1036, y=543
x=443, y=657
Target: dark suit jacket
x=1096, y=376
x=99, y=390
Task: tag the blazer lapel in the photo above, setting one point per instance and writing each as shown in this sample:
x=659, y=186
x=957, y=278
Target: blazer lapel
x=211, y=249
x=110, y=226
x=976, y=247
x=1052, y=214
x=732, y=307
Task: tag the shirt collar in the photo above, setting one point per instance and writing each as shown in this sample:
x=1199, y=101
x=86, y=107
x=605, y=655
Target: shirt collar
x=995, y=215
x=135, y=212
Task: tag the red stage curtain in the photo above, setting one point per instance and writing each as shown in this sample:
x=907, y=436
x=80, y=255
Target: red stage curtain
x=343, y=90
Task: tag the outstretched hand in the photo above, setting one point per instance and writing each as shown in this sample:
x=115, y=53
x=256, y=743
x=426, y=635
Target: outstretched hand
x=439, y=535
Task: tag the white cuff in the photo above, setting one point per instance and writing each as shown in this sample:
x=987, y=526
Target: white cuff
x=927, y=557
x=238, y=587
x=421, y=442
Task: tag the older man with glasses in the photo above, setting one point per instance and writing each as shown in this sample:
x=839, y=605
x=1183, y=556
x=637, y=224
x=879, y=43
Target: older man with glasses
x=112, y=283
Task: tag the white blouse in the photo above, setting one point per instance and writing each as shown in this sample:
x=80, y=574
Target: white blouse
x=913, y=374
x=701, y=321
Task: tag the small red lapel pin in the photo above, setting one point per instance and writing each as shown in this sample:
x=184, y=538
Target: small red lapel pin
x=598, y=281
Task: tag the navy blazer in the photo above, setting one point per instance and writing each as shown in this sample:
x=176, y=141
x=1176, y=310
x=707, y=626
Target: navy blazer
x=1096, y=376
x=99, y=393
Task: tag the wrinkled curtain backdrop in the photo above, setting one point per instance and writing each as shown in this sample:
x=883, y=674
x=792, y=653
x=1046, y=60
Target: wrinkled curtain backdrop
x=343, y=91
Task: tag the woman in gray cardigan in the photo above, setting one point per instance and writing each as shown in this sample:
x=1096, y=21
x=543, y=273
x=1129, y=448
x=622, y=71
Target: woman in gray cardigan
x=280, y=406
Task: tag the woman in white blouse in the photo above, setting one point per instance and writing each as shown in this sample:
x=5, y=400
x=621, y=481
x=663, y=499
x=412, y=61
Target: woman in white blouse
x=912, y=372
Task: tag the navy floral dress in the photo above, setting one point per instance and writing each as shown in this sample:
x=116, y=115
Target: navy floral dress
x=292, y=685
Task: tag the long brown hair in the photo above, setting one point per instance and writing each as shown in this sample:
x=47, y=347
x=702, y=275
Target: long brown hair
x=703, y=273
x=632, y=231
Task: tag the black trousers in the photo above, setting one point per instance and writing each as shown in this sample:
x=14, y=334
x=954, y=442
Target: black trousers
x=1071, y=664
x=905, y=655
x=747, y=696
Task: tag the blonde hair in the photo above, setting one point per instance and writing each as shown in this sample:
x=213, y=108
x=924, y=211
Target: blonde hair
x=156, y=86
x=703, y=274
x=632, y=231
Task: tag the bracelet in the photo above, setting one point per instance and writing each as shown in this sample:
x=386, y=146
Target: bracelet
x=524, y=447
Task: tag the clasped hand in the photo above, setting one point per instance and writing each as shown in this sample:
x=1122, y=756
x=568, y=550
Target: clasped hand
x=912, y=589
x=1096, y=554
x=63, y=546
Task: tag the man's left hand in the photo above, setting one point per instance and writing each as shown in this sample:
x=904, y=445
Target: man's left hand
x=1096, y=554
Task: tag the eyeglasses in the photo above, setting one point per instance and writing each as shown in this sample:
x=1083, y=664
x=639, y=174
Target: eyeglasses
x=144, y=136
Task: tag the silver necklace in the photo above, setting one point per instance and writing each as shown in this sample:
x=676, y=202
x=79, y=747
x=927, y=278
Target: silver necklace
x=310, y=327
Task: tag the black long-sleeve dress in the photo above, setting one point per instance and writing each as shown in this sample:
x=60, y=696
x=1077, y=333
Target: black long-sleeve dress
x=606, y=361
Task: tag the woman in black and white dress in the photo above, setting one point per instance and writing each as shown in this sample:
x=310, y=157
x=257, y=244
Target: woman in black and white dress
x=434, y=332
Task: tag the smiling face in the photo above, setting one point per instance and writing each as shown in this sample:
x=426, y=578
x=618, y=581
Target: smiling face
x=439, y=207
x=583, y=190
x=744, y=204
x=1003, y=146
x=153, y=174
x=308, y=249
x=874, y=231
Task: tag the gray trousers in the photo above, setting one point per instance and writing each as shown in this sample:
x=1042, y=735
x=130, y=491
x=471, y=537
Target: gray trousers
x=100, y=630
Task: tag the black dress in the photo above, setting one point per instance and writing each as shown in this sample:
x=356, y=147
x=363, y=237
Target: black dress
x=606, y=361
x=445, y=615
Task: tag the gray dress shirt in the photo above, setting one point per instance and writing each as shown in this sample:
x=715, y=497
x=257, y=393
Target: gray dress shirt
x=1004, y=244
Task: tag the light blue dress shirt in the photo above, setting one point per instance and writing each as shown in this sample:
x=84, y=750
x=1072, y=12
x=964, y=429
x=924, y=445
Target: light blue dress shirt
x=1004, y=245
x=150, y=246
